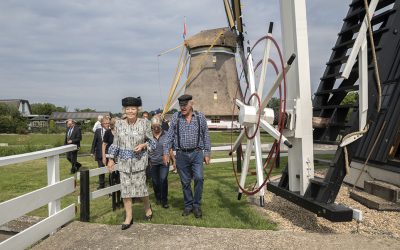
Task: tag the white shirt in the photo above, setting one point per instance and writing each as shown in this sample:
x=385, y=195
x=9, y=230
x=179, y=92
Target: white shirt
x=96, y=126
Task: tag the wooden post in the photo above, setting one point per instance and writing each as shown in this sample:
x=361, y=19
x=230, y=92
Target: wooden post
x=84, y=195
x=53, y=177
x=239, y=152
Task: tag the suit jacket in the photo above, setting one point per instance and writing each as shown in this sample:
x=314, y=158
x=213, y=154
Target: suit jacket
x=97, y=144
x=76, y=136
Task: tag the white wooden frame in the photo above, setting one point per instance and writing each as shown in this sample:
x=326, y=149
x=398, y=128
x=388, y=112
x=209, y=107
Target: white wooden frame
x=295, y=40
x=360, y=49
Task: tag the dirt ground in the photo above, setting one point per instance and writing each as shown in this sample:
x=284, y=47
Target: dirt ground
x=79, y=235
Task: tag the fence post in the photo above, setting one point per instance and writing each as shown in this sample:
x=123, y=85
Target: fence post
x=239, y=151
x=84, y=195
x=53, y=176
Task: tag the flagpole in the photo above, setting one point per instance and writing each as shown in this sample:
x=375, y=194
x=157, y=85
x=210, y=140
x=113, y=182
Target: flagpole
x=184, y=27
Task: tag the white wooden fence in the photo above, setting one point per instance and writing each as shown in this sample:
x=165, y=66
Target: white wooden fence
x=51, y=195
x=265, y=148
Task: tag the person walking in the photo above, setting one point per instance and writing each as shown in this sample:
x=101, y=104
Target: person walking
x=132, y=141
x=188, y=134
x=97, y=124
x=159, y=171
x=73, y=135
x=113, y=177
x=96, y=150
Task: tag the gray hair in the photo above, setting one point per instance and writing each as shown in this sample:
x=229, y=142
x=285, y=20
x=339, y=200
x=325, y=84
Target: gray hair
x=156, y=120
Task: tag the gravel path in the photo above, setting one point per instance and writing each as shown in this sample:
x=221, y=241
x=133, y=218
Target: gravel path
x=79, y=235
x=291, y=217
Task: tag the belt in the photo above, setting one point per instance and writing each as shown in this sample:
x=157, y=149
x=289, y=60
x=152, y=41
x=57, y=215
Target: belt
x=188, y=150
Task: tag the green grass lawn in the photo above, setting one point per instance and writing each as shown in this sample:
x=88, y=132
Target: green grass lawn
x=220, y=205
x=32, y=142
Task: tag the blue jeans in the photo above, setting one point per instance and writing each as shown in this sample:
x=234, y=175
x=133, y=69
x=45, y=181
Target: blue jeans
x=159, y=176
x=190, y=165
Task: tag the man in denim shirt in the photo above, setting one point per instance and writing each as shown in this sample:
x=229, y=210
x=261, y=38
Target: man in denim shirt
x=188, y=134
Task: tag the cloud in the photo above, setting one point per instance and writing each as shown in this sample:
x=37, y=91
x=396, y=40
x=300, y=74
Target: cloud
x=92, y=53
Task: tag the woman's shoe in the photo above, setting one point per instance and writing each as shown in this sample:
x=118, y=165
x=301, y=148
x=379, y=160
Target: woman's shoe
x=149, y=217
x=126, y=226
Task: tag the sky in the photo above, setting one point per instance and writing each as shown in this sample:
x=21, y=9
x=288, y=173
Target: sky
x=92, y=53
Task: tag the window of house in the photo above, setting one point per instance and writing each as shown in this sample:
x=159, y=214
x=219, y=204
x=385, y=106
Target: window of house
x=215, y=119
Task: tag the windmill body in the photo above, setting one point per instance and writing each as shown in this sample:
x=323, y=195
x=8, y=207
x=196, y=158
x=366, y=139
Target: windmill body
x=214, y=83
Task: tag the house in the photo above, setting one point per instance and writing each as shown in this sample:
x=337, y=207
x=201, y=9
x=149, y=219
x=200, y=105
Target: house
x=38, y=123
x=81, y=117
x=22, y=105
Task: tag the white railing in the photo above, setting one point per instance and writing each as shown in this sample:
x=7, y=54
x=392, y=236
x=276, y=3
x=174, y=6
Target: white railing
x=101, y=192
x=108, y=190
x=51, y=195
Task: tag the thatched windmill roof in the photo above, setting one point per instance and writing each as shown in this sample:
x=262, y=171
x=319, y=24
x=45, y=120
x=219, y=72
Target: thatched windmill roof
x=206, y=37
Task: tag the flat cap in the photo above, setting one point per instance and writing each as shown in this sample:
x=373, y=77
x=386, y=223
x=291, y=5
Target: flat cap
x=132, y=101
x=183, y=99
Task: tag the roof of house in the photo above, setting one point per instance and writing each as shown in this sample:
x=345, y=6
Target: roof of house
x=77, y=115
x=40, y=118
x=16, y=103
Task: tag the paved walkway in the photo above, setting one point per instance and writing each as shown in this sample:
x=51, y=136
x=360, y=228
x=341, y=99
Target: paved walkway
x=78, y=235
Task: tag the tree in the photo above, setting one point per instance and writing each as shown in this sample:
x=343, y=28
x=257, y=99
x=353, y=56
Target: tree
x=350, y=98
x=274, y=103
x=45, y=108
x=11, y=120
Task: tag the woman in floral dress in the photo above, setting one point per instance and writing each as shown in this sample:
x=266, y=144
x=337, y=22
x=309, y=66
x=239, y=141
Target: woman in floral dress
x=132, y=139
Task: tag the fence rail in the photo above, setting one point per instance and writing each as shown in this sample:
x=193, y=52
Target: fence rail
x=51, y=195
x=23, y=204
x=12, y=159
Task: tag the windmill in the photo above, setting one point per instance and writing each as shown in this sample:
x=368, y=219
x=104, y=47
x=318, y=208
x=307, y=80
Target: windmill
x=214, y=81
x=297, y=183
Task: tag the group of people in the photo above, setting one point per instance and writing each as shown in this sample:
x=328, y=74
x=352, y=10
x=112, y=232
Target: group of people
x=129, y=145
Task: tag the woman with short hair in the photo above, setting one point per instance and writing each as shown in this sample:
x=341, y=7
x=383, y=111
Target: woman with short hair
x=132, y=140
x=159, y=171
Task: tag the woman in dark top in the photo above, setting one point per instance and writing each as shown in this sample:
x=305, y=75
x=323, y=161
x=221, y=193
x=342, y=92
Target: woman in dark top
x=114, y=179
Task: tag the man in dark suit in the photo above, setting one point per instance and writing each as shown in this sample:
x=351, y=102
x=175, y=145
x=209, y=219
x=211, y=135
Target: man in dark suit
x=97, y=143
x=73, y=135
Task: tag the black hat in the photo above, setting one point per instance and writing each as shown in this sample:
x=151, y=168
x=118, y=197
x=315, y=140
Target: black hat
x=132, y=101
x=184, y=99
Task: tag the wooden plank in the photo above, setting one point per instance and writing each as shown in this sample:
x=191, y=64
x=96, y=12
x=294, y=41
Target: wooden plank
x=104, y=191
x=36, y=232
x=23, y=204
x=13, y=159
x=94, y=172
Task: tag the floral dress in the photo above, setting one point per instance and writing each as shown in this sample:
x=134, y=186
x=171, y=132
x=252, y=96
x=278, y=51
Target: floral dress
x=132, y=165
